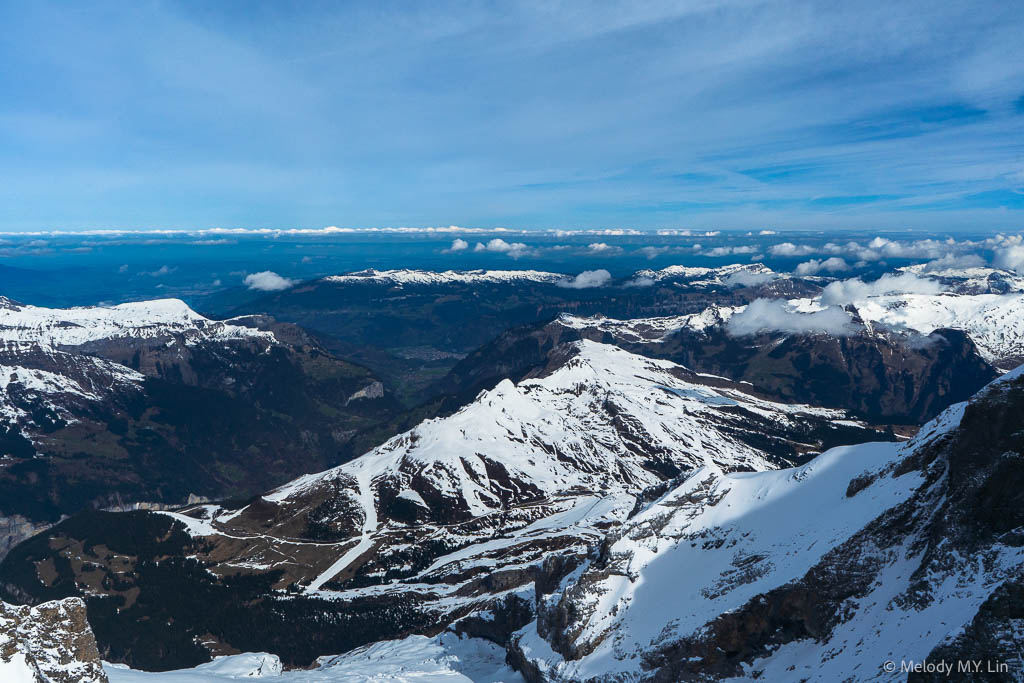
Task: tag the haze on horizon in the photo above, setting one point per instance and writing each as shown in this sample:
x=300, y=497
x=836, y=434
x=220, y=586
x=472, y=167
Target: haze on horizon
x=523, y=115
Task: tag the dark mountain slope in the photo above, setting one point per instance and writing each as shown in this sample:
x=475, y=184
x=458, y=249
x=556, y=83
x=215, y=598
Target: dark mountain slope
x=112, y=407
x=410, y=327
x=883, y=377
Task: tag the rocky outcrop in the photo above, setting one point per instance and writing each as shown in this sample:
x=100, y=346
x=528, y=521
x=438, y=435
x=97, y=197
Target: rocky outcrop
x=48, y=643
x=15, y=529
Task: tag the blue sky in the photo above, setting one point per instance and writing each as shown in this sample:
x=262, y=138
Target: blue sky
x=536, y=115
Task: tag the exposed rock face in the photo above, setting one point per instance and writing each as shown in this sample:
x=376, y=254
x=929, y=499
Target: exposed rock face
x=881, y=376
x=866, y=554
x=49, y=643
x=15, y=529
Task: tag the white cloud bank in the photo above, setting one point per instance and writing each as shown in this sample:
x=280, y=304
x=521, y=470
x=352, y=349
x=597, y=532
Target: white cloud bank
x=790, y=249
x=267, y=281
x=458, y=244
x=745, y=278
x=849, y=291
x=815, y=266
x=587, y=279
x=1010, y=258
x=774, y=315
x=500, y=246
x=954, y=262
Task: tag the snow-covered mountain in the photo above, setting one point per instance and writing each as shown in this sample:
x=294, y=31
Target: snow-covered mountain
x=71, y=327
x=55, y=360
x=447, y=277
x=971, y=280
x=737, y=274
x=110, y=406
x=732, y=275
x=457, y=516
x=563, y=454
x=995, y=322
x=446, y=658
x=866, y=554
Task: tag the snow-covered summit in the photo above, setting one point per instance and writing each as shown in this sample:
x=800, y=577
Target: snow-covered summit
x=869, y=553
x=555, y=456
x=428, y=277
x=732, y=274
x=593, y=424
x=729, y=275
x=65, y=327
x=651, y=329
x=994, y=322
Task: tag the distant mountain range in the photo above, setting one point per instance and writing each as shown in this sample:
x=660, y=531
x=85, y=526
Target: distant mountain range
x=410, y=327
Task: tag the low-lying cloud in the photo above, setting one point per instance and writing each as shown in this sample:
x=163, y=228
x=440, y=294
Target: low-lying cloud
x=849, y=291
x=1010, y=258
x=728, y=250
x=267, y=281
x=829, y=265
x=790, y=249
x=954, y=262
x=587, y=279
x=746, y=278
x=774, y=315
x=160, y=272
x=640, y=281
x=652, y=252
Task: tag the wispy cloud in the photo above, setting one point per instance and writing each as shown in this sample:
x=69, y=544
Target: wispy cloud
x=160, y=272
x=658, y=114
x=775, y=315
x=850, y=291
x=587, y=279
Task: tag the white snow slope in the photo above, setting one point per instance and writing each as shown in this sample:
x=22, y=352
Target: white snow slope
x=416, y=659
x=719, y=540
x=591, y=428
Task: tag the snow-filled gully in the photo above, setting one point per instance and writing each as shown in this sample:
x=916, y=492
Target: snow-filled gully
x=364, y=544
